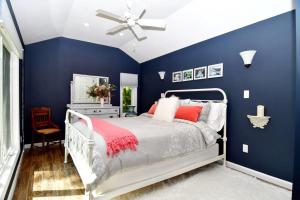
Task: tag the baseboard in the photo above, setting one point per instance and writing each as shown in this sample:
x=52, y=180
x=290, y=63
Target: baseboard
x=14, y=183
x=265, y=177
x=38, y=144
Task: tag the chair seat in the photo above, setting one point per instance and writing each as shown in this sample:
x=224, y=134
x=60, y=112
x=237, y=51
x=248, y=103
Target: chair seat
x=48, y=130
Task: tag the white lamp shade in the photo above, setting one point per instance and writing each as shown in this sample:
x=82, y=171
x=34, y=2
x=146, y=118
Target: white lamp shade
x=162, y=74
x=247, y=57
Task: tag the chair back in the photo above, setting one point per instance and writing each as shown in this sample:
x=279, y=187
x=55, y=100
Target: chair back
x=41, y=117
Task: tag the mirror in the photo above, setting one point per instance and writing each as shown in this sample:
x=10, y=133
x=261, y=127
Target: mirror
x=80, y=85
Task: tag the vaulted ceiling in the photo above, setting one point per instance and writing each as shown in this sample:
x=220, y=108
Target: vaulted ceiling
x=188, y=21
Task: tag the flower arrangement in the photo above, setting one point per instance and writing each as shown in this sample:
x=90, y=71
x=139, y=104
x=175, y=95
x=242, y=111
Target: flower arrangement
x=100, y=91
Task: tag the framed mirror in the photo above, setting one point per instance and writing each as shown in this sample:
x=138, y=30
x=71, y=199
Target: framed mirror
x=80, y=85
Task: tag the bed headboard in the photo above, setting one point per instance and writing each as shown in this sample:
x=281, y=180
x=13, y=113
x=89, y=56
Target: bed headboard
x=202, y=90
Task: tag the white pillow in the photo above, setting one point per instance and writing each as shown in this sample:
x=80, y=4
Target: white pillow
x=205, y=110
x=166, y=109
x=184, y=102
x=217, y=116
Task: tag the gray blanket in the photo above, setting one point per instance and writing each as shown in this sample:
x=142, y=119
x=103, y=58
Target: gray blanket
x=158, y=140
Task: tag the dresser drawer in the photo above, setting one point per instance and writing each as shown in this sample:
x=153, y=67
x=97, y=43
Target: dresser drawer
x=86, y=111
x=104, y=116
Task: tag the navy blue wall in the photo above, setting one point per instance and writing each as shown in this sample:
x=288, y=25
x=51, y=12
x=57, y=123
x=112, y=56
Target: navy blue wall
x=49, y=66
x=296, y=186
x=270, y=80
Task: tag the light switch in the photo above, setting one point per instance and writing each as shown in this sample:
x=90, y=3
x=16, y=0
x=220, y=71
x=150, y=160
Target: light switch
x=245, y=148
x=246, y=94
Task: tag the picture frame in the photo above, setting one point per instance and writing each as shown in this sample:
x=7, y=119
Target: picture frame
x=200, y=73
x=215, y=71
x=177, y=76
x=188, y=75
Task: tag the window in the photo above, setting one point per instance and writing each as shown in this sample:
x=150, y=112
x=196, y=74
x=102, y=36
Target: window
x=9, y=110
x=128, y=92
x=5, y=125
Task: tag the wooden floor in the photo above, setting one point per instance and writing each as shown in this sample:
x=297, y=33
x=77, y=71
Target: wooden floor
x=43, y=176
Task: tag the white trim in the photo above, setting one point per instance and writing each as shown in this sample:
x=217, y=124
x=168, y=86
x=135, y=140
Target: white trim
x=271, y=179
x=7, y=173
x=13, y=186
x=38, y=144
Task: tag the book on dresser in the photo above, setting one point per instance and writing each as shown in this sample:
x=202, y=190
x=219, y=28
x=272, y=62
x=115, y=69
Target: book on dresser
x=95, y=110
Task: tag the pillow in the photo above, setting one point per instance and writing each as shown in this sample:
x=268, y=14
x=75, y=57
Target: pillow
x=205, y=110
x=166, y=109
x=152, y=109
x=190, y=113
x=217, y=116
x=184, y=102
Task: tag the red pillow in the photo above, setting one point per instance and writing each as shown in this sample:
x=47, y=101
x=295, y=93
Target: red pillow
x=190, y=113
x=152, y=109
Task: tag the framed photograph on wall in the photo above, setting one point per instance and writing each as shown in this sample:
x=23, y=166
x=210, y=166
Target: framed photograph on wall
x=177, y=76
x=188, y=75
x=200, y=73
x=215, y=71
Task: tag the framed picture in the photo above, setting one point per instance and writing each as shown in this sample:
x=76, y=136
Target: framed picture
x=177, y=76
x=215, y=71
x=200, y=73
x=188, y=75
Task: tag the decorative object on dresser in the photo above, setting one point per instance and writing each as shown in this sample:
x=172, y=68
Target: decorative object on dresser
x=100, y=91
x=42, y=124
x=260, y=120
x=215, y=71
x=95, y=110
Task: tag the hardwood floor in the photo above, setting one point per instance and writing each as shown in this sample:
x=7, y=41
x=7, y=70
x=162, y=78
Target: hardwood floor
x=44, y=176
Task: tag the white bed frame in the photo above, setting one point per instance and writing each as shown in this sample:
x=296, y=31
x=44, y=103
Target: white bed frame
x=81, y=147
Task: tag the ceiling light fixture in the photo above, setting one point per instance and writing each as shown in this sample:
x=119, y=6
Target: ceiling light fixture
x=86, y=25
x=121, y=34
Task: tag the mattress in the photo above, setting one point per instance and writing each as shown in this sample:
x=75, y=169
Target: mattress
x=159, y=141
x=141, y=173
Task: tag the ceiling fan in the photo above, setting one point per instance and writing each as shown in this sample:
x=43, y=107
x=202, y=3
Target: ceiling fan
x=132, y=19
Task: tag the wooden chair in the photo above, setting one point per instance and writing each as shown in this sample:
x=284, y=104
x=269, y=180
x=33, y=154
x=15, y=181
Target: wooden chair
x=42, y=124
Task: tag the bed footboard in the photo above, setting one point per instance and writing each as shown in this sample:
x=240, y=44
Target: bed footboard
x=80, y=146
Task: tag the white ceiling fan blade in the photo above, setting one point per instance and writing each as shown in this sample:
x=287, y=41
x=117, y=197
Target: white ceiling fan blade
x=109, y=15
x=155, y=23
x=138, y=32
x=116, y=28
x=137, y=9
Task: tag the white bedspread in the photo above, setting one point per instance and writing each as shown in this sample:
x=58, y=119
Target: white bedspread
x=158, y=140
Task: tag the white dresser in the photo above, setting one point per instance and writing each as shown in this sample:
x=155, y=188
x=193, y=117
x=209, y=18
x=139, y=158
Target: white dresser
x=95, y=110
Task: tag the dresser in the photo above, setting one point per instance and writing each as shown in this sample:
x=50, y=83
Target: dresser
x=95, y=110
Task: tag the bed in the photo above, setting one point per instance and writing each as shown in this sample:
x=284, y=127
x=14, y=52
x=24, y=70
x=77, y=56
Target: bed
x=165, y=150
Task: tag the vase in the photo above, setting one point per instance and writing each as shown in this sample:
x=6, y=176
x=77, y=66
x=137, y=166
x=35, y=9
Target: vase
x=102, y=102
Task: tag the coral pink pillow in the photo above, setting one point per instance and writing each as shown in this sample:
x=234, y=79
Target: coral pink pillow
x=152, y=109
x=190, y=113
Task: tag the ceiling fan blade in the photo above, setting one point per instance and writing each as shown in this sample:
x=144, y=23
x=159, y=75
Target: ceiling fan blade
x=109, y=15
x=155, y=23
x=138, y=32
x=116, y=29
x=137, y=9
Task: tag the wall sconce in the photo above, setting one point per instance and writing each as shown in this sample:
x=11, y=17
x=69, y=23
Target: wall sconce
x=247, y=57
x=162, y=75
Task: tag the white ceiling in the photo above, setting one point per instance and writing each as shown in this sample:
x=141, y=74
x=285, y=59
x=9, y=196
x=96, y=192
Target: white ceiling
x=188, y=21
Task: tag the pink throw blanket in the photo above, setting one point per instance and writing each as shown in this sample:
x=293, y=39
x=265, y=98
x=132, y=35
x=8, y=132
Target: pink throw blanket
x=117, y=139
